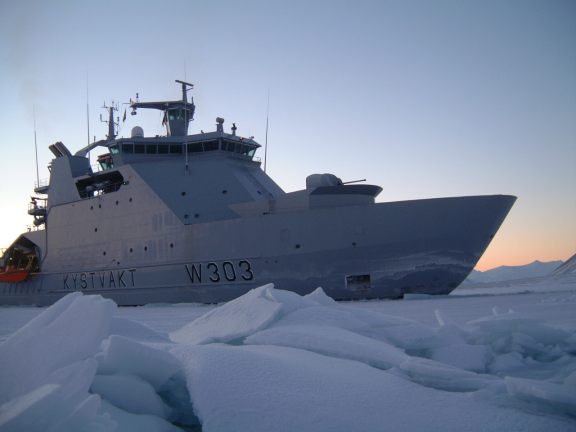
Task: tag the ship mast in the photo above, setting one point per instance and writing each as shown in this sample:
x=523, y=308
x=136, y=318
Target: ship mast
x=177, y=114
x=112, y=125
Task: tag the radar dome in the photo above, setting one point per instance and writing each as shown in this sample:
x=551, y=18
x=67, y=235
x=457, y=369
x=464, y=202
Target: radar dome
x=137, y=132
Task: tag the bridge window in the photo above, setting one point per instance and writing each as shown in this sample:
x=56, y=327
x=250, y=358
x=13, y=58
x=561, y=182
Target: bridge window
x=203, y=146
x=211, y=145
x=175, y=148
x=178, y=149
x=176, y=114
x=237, y=147
x=195, y=148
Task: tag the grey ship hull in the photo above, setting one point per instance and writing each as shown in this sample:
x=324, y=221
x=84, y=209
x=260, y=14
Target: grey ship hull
x=381, y=250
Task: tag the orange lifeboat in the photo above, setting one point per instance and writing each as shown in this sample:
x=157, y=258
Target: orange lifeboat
x=13, y=275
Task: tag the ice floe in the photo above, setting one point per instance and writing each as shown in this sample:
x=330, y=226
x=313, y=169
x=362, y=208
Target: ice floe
x=66, y=371
x=274, y=360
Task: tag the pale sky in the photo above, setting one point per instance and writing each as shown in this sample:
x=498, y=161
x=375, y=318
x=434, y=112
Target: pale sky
x=425, y=98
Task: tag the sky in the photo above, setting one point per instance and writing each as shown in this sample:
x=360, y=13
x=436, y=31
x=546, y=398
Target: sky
x=425, y=98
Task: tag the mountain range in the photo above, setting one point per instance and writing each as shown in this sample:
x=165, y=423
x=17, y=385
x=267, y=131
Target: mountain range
x=532, y=270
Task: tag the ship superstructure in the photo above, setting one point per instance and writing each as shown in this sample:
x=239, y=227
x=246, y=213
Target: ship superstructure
x=194, y=218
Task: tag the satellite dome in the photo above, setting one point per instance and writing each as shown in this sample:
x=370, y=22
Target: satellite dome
x=137, y=132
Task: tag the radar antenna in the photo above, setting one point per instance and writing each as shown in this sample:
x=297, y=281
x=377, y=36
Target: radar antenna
x=185, y=90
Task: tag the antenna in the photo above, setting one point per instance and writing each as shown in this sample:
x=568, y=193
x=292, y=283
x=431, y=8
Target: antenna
x=266, y=140
x=36, y=147
x=185, y=103
x=87, y=115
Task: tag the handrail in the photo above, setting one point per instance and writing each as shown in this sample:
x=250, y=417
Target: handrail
x=41, y=183
x=31, y=228
x=36, y=206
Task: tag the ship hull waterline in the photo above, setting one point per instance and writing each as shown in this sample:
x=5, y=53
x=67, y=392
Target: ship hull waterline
x=383, y=250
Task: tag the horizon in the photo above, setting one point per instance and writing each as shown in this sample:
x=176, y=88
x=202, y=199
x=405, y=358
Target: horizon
x=424, y=99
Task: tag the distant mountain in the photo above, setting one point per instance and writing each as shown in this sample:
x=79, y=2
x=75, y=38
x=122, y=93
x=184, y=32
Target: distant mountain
x=505, y=273
x=569, y=267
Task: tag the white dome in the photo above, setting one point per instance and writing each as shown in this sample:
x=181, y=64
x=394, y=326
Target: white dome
x=137, y=132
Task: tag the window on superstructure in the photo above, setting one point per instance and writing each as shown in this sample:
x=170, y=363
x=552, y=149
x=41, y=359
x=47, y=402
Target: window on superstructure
x=128, y=148
x=247, y=151
x=114, y=149
x=106, y=161
x=163, y=149
x=195, y=148
x=175, y=148
x=211, y=145
x=176, y=114
x=228, y=146
x=205, y=146
x=139, y=148
x=151, y=148
x=236, y=147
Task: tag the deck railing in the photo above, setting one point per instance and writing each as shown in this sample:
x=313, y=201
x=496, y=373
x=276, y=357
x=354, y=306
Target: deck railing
x=41, y=183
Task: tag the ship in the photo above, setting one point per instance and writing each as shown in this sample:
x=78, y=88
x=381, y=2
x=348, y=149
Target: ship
x=195, y=218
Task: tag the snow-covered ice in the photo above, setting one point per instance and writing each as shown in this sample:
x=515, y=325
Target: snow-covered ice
x=273, y=360
x=71, y=368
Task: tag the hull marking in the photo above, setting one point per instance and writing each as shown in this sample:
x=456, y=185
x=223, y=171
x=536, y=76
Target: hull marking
x=99, y=280
x=216, y=272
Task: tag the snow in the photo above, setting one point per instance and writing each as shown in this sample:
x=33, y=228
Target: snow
x=477, y=360
x=76, y=325
x=240, y=317
x=66, y=370
x=333, y=342
x=264, y=388
x=130, y=393
x=153, y=365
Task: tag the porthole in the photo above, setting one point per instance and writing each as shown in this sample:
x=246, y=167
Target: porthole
x=224, y=192
x=104, y=253
x=171, y=245
x=130, y=200
x=131, y=250
x=297, y=246
x=183, y=193
x=145, y=248
x=116, y=202
x=95, y=229
x=196, y=215
x=185, y=216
